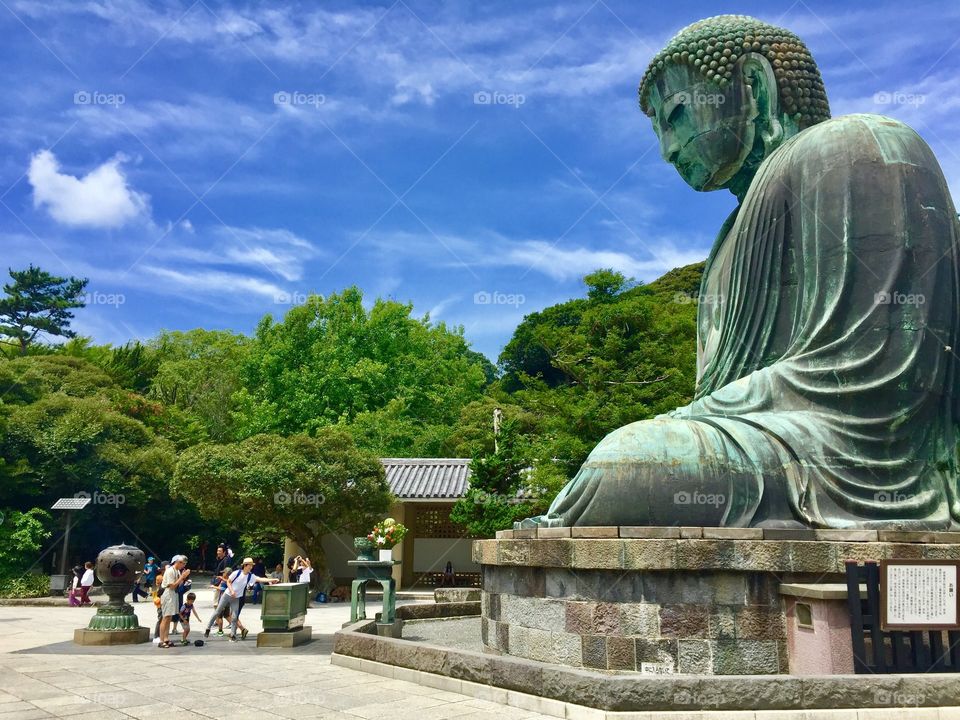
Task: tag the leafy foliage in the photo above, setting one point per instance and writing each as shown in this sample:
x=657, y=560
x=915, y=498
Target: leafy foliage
x=38, y=302
x=623, y=354
x=494, y=499
x=305, y=406
x=21, y=538
x=304, y=487
x=24, y=586
x=198, y=373
x=396, y=383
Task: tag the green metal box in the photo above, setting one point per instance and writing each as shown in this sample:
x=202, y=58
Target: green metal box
x=284, y=606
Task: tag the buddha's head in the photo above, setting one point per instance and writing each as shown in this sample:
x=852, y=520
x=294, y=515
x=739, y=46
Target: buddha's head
x=725, y=93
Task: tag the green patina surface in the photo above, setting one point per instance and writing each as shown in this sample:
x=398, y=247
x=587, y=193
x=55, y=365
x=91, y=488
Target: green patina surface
x=828, y=314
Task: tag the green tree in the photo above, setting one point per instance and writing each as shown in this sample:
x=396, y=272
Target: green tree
x=606, y=284
x=198, y=373
x=494, y=500
x=590, y=365
x=21, y=536
x=38, y=302
x=398, y=383
x=67, y=427
x=303, y=487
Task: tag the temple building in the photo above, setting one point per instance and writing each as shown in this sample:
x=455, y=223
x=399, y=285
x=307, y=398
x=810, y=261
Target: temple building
x=425, y=490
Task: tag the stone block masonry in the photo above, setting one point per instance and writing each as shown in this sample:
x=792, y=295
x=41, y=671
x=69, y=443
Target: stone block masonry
x=659, y=601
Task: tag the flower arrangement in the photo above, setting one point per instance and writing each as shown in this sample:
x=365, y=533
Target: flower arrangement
x=386, y=534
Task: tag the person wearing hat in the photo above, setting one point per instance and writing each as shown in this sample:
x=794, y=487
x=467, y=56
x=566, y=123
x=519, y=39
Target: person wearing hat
x=237, y=584
x=173, y=577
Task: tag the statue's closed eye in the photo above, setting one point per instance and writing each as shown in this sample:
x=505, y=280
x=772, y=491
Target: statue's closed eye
x=676, y=114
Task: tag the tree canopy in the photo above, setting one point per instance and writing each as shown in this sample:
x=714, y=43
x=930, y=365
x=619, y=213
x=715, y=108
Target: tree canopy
x=220, y=435
x=395, y=382
x=304, y=487
x=38, y=302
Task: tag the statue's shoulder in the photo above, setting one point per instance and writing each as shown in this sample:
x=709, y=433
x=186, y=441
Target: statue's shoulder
x=862, y=136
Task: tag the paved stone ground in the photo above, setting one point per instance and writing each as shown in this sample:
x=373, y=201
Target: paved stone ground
x=43, y=674
x=459, y=633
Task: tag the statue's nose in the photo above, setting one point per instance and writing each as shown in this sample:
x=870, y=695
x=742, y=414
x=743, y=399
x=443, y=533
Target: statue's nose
x=670, y=149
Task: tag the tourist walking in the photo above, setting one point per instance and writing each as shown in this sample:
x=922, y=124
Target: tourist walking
x=147, y=578
x=237, y=584
x=173, y=577
x=86, y=582
x=74, y=595
x=222, y=563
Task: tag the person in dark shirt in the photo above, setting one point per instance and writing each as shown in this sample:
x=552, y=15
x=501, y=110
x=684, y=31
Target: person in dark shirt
x=260, y=570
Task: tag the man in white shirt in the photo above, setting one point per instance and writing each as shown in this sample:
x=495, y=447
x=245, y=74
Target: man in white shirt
x=173, y=577
x=86, y=582
x=237, y=584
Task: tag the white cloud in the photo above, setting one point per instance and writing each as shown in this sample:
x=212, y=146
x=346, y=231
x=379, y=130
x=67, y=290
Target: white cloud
x=275, y=251
x=101, y=198
x=559, y=262
x=213, y=282
x=565, y=263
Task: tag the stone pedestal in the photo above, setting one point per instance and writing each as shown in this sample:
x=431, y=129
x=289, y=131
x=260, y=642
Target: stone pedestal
x=84, y=636
x=694, y=600
x=285, y=639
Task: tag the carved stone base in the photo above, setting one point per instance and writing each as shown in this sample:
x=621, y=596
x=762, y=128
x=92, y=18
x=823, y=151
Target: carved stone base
x=85, y=636
x=662, y=604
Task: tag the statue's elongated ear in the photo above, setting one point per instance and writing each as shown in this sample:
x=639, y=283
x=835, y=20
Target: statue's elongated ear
x=757, y=74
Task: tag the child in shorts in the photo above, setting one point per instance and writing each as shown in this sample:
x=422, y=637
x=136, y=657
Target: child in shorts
x=185, y=611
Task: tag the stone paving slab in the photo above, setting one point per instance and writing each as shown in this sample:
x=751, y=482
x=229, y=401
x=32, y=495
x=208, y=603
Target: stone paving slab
x=44, y=675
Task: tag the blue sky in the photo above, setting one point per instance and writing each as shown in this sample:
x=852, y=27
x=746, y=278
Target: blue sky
x=206, y=163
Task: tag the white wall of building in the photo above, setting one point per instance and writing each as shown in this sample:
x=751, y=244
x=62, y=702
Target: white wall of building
x=339, y=549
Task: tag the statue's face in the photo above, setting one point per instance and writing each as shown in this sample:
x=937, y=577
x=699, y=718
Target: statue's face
x=705, y=131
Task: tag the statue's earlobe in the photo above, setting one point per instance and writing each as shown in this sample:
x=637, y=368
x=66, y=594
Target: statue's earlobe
x=758, y=74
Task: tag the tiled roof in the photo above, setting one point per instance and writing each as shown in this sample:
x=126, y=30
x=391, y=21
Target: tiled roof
x=427, y=478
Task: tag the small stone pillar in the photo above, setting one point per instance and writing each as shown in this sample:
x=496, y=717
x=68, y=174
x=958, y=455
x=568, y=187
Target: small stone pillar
x=819, y=640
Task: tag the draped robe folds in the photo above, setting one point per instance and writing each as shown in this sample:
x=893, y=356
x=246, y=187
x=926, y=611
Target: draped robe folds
x=827, y=341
